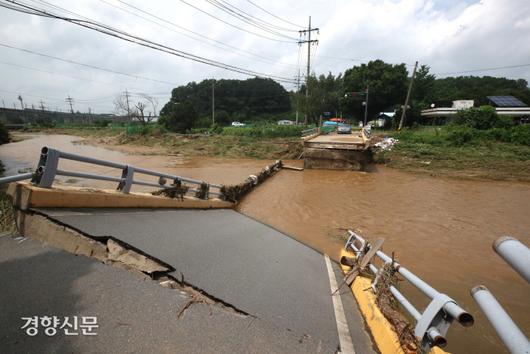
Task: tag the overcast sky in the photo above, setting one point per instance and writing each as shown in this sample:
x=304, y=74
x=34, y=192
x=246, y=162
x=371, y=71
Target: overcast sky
x=448, y=35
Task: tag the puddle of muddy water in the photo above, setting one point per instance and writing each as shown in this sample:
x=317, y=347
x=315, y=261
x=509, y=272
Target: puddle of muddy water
x=441, y=229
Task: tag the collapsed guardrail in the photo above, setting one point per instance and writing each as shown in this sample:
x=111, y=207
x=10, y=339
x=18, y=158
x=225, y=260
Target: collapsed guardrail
x=310, y=131
x=47, y=170
x=517, y=255
x=431, y=324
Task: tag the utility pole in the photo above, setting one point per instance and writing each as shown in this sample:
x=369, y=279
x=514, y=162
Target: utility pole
x=366, y=105
x=41, y=105
x=308, y=72
x=127, y=102
x=89, y=110
x=297, y=93
x=401, y=121
x=213, y=102
x=21, y=101
x=70, y=100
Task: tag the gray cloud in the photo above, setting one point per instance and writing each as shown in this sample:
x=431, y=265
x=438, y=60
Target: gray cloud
x=450, y=36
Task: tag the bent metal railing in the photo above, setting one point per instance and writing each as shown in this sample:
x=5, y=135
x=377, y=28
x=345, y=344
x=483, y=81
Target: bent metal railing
x=310, y=131
x=431, y=324
x=517, y=255
x=47, y=170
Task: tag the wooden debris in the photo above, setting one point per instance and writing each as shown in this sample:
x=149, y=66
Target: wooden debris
x=174, y=191
x=234, y=193
x=292, y=168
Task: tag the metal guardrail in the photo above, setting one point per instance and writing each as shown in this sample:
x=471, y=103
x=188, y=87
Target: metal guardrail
x=517, y=255
x=431, y=324
x=309, y=131
x=47, y=170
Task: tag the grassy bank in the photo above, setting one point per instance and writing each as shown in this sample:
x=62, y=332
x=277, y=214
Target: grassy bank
x=462, y=152
x=500, y=154
x=249, y=143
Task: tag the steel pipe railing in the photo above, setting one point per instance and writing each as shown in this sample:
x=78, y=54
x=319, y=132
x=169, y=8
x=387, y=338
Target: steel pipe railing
x=309, y=131
x=512, y=337
x=87, y=175
x=432, y=324
x=15, y=178
x=515, y=253
x=455, y=311
x=94, y=161
x=47, y=170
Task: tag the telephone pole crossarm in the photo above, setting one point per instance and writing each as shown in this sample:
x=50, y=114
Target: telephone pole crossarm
x=309, y=41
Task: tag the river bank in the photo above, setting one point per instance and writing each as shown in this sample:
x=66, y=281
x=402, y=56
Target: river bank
x=491, y=160
x=441, y=228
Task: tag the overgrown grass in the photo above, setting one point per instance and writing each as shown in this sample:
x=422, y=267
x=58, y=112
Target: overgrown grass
x=265, y=131
x=453, y=135
x=463, y=152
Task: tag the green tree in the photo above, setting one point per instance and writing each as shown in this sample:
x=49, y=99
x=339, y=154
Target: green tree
x=484, y=117
x=222, y=117
x=477, y=88
x=178, y=116
x=387, y=86
x=325, y=92
x=244, y=99
x=423, y=86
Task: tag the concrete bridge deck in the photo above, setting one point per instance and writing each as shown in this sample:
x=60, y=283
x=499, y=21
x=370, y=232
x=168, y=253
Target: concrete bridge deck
x=337, y=151
x=337, y=141
x=236, y=261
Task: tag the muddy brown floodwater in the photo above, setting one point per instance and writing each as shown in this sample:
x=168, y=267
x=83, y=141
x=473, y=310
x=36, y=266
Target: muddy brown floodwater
x=440, y=228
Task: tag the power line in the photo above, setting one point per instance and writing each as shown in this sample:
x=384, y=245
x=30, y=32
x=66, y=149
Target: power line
x=229, y=48
x=485, y=69
x=87, y=65
x=142, y=41
x=273, y=15
x=257, y=19
x=235, y=12
x=232, y=25
x=56, y=73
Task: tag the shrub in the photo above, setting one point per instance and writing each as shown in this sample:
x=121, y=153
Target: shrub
x=520, y=135
x=484, y=117
x=102, y=123
x=4, y=135
x=142, y=129
x=461, y=135
x=178, y=117
x=265, y=131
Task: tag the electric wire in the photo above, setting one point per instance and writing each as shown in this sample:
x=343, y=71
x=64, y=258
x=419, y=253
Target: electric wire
x=232, y=25
x=202, y=39
x=143, y=42
x=247, y=19
x=273, y=15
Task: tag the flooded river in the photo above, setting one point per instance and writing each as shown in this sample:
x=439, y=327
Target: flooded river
x=440, y=228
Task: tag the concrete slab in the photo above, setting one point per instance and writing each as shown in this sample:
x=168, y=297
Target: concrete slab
x=134, y=314
x=238, y=260
x=25, y=195
x=338, y=138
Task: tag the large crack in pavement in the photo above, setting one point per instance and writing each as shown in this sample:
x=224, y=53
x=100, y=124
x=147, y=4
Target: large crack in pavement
x=116, y=253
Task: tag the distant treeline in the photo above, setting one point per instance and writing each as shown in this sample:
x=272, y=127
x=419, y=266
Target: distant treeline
x=387, y=85
x=50, y=118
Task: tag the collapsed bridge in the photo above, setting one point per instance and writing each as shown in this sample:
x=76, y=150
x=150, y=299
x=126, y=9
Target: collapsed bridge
x=278, y=294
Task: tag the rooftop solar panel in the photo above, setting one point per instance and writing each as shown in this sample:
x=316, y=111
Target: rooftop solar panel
x=506, y=101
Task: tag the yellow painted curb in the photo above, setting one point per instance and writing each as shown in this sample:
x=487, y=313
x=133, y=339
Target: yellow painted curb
x=26, y=195
x=382, y=331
